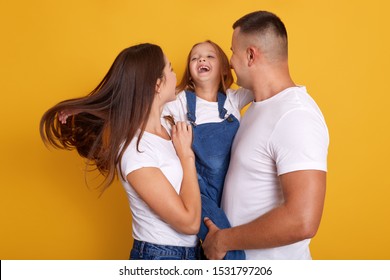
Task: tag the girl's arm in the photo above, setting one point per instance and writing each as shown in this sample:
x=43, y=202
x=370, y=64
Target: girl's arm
x=182, y=211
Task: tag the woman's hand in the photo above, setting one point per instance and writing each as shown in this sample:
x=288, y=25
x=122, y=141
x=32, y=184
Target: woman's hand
x=63, y=116
x=182, y=140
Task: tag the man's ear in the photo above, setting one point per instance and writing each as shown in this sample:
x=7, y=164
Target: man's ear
x=251, y=54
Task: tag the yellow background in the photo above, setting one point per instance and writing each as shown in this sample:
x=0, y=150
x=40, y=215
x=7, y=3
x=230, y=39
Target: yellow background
x=55, y=50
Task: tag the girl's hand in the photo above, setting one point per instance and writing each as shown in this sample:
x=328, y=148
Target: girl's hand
x=182, y=140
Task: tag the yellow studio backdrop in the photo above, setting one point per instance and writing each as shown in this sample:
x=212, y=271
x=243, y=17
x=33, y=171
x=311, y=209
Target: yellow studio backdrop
x=55, y=50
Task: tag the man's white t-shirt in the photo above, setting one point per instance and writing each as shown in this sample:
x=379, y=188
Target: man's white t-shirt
x=159, y=153
x=284, y=133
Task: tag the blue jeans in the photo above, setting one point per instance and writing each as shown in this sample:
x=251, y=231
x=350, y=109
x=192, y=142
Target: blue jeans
x=148, y=251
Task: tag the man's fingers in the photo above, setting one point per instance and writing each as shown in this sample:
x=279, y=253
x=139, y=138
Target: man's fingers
x=210, y=225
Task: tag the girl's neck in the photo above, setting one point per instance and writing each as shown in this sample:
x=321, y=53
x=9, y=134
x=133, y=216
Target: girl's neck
x=207, y=92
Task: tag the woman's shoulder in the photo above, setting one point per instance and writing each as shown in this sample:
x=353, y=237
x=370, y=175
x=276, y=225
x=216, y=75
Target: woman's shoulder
x=145, y=147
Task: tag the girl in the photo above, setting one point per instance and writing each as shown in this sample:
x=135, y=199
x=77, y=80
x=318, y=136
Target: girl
x=213, y=109
x=117, y=128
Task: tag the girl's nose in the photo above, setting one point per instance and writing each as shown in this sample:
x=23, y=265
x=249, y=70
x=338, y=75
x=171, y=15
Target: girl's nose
x=201, y=59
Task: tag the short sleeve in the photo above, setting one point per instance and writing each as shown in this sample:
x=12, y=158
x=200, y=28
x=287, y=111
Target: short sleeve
x=300, y=142
x=133, y=159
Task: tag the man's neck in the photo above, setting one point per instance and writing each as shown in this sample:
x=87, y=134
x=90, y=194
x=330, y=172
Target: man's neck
x=271, y=83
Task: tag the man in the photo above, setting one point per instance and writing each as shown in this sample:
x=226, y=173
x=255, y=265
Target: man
x=275, y=186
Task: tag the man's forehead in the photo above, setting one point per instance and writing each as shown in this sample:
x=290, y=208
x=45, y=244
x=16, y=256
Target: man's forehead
x=235, y=38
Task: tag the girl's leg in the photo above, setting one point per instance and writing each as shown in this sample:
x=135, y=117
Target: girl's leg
x=211, y=210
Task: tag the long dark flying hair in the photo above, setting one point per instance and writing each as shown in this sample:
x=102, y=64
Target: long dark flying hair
x=102, y=124
x=226, y=80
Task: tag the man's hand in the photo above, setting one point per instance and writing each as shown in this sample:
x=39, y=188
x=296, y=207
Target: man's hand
x=212, y=245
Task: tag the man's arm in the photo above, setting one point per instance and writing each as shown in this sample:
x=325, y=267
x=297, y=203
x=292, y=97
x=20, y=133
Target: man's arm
x=298, y=218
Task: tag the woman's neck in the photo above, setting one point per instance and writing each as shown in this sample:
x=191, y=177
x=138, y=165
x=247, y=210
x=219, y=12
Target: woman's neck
x=154, y=126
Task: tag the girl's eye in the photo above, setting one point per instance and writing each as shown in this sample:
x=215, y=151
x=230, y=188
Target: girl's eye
x=193, y=58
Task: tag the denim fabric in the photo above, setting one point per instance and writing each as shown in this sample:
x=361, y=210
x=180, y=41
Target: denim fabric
x=148, y=251
x=211, y=144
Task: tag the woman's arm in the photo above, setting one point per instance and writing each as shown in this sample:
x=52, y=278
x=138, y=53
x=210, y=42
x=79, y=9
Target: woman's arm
x=182, y=211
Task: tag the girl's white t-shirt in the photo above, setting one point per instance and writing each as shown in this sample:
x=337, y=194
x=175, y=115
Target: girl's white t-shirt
x=159, y=153
x=206, y=111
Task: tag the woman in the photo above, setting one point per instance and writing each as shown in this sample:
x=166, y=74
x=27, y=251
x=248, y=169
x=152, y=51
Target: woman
x=118, y=129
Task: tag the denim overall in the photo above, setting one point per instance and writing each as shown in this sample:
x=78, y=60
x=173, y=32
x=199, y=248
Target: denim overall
x=211, y=144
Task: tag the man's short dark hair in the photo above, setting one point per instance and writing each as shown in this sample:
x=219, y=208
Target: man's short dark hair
x=260, y=21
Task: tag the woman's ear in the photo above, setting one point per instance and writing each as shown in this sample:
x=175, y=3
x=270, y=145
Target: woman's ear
x=158, y=85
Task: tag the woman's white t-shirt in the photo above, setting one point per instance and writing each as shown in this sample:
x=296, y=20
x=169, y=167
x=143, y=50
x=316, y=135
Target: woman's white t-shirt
x=159, y=153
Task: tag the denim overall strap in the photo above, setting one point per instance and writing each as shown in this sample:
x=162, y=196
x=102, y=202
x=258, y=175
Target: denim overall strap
x=221, y=102
x=191, y=106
